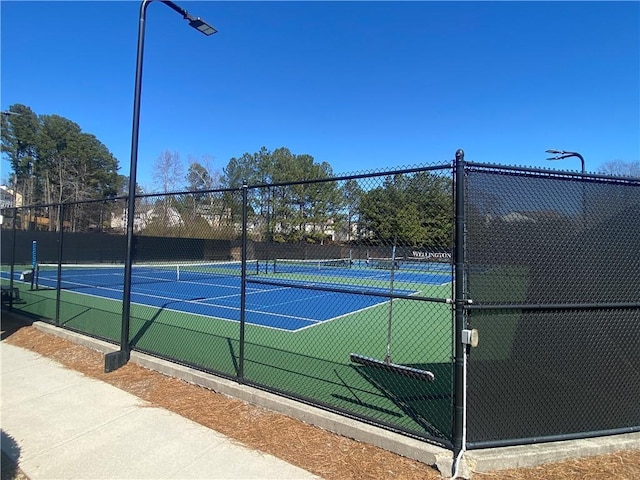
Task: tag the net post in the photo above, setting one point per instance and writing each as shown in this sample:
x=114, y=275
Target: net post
x=387, y=357
x=34, y=254
x=34, y=262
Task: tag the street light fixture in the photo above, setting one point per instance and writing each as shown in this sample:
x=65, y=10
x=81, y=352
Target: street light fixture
x=195, y=22
x=117, y=359
x=562, y=154
x=201, y=25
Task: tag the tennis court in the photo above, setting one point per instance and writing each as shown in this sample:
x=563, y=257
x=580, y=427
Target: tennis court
x=282, y=294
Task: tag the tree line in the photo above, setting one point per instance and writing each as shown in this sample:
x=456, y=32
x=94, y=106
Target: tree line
x=54, y=161
x=292, y=197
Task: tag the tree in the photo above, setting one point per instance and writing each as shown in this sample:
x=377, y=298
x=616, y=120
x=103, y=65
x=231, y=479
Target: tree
x=19, y=139
x=620, y=168
x=92, y=176
x=305, y=198
x=352, y=196
x=286, y=201
x=253, y=169
x=409, y=209
x=168, y=175
x=53, y=161
x=199, y=209
x=56, y=137
x=73, y=166
x=198, y=178
x=168, y=172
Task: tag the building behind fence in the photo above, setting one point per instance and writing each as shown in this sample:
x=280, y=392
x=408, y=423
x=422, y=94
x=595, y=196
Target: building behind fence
x=546, y=267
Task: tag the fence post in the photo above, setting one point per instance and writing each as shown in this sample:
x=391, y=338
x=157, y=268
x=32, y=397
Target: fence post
x=59, y=276
x=459, y=406
x=13, y=256
x=243, y=281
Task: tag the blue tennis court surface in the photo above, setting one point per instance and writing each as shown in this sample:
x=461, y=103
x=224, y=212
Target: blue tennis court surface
x=288, y=307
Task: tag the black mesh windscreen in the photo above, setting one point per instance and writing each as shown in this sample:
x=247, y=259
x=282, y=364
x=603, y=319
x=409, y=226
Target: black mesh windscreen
x=557, y=260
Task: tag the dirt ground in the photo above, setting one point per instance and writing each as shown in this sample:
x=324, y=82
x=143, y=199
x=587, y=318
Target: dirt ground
x=325, y=454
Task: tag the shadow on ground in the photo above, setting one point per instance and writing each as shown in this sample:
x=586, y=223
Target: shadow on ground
x=10, y=456
x=11, y=323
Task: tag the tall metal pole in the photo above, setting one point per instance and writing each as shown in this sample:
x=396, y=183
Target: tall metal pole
x=581, y=162
x=243, y=281
x=13, y=255
x=460, y=300
x=60, y=252
x=115, y=360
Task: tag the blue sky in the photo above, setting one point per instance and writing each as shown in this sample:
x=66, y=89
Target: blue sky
x=360, y=85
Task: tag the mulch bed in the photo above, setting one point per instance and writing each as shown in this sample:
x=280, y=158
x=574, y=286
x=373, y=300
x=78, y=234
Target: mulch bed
x=325, y=454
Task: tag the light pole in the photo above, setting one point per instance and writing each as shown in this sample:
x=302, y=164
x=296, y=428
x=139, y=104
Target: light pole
x=117, y=359
x=562, y=154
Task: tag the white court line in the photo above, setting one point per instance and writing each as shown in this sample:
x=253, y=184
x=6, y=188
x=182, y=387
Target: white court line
x=199, y=302
x=340, y=316
x=141, y=291
x=224, y=307
x=159, y=280
x=314, y=322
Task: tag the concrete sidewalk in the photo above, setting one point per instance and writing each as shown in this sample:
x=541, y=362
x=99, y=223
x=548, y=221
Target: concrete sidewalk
x=59, y=424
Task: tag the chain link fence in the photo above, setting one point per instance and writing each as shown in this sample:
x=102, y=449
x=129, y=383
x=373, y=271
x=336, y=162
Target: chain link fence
x=340, y=292
x=554, y=275
x=332, y=291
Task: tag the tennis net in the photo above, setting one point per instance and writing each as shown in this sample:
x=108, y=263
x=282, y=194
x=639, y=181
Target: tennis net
x=409, y=263
x=103, y=275
x=284, y=265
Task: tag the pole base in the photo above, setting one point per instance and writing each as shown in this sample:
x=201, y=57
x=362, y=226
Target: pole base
x=115, y=360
